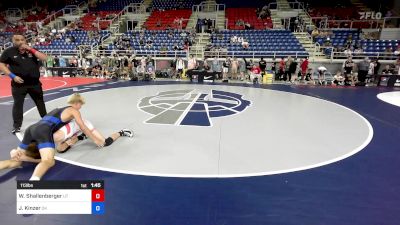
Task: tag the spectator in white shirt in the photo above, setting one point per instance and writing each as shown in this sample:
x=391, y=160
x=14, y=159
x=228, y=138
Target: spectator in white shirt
x=180, y=66
x=245, y=44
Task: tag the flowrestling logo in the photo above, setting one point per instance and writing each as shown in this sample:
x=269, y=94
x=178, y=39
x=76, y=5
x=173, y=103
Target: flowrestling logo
x=191, y=107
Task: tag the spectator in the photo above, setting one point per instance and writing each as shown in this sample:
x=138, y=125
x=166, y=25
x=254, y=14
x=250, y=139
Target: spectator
x=292, y=70
x=273, y=67
x=176, y=47
x=151, y=71
x=371, y=70
x=363, y=67
x=255, y=74
x=304, y=68
x=281, y=71
x=242, y=69
x=245, y=44
x=225, y=70
x=348, y=67
x=234, y=68
x=397, y=52
x=163, y=49
x=397, y=66
x=262, y=65
x=234, y=39
x=308, y=77
x=321, y=75
x=158, y=23
x=216, y=67
x=287, y=69
x=56, y=61
x=192, y=63
x=180, y=66
x=248, y=26
x=315, y=33
x=338, y=79
x=387, y=70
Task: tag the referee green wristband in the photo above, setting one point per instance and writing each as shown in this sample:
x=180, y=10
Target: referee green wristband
x=12, y=76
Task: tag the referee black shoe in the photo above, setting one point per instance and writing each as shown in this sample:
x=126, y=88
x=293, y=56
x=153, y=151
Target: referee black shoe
x=16, y=130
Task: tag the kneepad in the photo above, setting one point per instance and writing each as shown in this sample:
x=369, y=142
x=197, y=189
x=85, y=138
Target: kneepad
x=108, y=142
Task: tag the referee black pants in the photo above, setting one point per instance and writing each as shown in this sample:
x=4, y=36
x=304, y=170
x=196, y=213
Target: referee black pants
x=19, y=94
x=362, y=75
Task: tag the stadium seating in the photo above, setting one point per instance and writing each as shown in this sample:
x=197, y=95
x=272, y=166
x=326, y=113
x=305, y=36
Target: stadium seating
x=160, y=39
x=81, y=38
x=262, y=42
x=174, y=4
x=114, y=5
x=379, y=45
x=5, y=37
x=167, y=18
x=241, y=3
x=339, y=37
x=38, y=17
x=371, y=47
x=247, y=15
x=88, y=19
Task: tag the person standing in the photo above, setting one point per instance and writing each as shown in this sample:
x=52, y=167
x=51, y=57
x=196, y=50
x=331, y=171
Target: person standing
x=23, y=68
x=292, y=71
x=263, y=66
x=234, y=68
x=225, y=68
x=363, y=68
x=288, y=75
x=180, y=66
x=348, y=67
x=304, y=68
x=192, y=63
x=281, y=73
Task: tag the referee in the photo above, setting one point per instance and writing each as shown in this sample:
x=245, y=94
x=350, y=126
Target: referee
x=21, y=63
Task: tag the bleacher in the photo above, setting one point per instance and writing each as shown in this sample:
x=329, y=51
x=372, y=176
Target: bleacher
x=246, y=15
x=370, y=47
x=339, y=37
x=267, y=43
x=90, y=18
x=379, y=45
x=81, y=38
x=5, y=37
x=113, y=5
x=241, y=3
x=160, y=39
x=167, y=19
x=174, y=4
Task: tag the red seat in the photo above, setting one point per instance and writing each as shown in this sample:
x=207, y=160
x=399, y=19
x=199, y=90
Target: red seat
x=247, y=15
x=167, y=18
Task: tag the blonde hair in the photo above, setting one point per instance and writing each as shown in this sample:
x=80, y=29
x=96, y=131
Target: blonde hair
x=75, y=98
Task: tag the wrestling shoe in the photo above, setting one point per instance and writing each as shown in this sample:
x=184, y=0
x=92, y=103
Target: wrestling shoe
x=82, y=137
x=126, y=133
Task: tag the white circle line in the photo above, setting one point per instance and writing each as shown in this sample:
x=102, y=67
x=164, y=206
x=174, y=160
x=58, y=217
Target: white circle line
x=356, y=150
x=65, y=83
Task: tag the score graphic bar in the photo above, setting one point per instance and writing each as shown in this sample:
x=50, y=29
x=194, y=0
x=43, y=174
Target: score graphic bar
x=60, y=197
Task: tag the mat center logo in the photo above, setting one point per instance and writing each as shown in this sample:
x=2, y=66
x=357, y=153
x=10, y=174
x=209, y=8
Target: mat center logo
x=191, y=107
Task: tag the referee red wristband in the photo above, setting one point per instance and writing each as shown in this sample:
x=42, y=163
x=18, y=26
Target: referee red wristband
x=33, y=51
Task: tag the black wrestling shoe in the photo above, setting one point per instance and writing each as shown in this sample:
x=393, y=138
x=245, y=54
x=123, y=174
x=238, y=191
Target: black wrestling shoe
x=126, y=133
x=16, y=130
x=82, y=137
